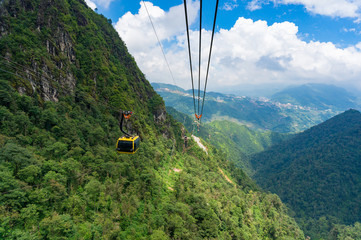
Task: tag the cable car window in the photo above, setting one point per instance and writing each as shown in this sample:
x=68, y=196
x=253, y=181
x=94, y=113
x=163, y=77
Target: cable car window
x=136, y=144
x=125, y=146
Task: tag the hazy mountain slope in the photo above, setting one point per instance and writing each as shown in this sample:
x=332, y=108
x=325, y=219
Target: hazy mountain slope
x=318, y=172
x=248, y=140
x=319, y=96
x=67, y=75
x=255, y=113
x=237, y=141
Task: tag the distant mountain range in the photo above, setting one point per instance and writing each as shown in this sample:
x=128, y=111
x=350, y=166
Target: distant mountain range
x=318, y=96
x=291, y=110
x=65, y=77
x=317, y=172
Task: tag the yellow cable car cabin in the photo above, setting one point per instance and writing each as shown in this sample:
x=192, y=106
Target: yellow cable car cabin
x=128, y=145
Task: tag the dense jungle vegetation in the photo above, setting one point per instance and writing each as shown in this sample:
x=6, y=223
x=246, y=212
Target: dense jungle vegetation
x=321, y=191
x=318, y=174
x=62, y=178
x=66, y=74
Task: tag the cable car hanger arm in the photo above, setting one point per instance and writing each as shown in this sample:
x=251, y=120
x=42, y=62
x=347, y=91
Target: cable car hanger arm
x=126, y=115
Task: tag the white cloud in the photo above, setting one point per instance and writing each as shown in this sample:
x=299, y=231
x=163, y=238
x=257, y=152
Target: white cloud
x=349, y=29
x=91, y=4
x=137, y=32
x=230, y=5
x=251, y=52
x=102, y=3
x=332, y=8
x=256, y=4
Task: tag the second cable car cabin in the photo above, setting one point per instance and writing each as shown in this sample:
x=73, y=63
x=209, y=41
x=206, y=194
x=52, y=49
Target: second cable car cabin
x=127, y=144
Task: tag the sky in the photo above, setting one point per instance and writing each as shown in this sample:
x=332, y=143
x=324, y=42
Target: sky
x=257, y=43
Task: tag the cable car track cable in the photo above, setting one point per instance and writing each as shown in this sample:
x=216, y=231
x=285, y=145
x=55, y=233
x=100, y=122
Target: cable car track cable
x=161, y=47
x=198, y=114
x=210, y=54
x=189, y=53
x=37, y=75
x=200, y=52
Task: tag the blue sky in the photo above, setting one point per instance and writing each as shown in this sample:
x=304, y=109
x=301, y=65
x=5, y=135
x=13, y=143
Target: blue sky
x=257, y=42
x=312, y=26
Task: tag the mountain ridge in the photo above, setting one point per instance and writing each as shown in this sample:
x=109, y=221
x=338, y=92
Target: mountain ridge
x=256, y=113
x=325, y=158
x=60, y=175
x=320, y=96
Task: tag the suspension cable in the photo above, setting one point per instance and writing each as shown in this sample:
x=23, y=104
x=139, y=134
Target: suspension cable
x=37, y=75
x=210, y=54
x=189, y=53
x=32, y=72
x=200, y=53
x=12, y=65
x=19, y=76
x=161, y=47
x=198, y=113
x=15, y=74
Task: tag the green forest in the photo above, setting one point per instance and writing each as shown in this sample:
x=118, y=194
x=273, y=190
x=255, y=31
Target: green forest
x=58, y=181
x=237, y=141
x=65, y=75
x=317, y=174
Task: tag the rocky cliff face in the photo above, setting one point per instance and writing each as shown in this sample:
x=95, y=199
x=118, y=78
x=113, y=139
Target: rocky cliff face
x=50, y=52
x=45, y=72
x=62, y=177
x=55, y=49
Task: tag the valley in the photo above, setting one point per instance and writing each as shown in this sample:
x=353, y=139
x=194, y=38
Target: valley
x=66, y=76
x=314, y=172
x=282, y=115
x=282, y=167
